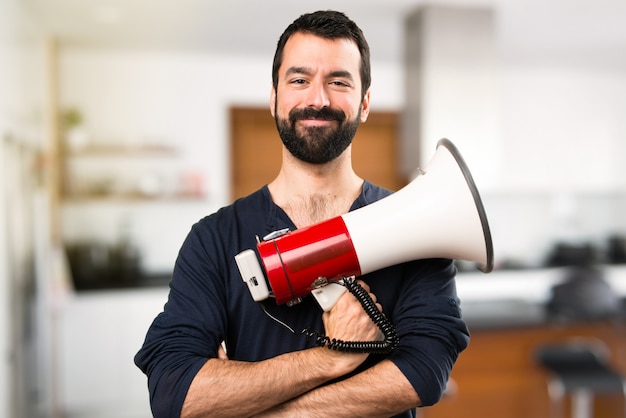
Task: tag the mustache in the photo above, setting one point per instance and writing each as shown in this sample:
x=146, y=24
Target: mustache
x=325, y=113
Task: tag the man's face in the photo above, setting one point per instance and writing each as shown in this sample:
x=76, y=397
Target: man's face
x=318, y=104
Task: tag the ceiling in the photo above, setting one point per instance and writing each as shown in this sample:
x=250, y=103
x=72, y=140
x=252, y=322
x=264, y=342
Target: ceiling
x=580, y=29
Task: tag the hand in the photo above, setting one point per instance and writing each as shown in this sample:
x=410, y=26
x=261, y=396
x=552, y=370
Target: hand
x=348, y=321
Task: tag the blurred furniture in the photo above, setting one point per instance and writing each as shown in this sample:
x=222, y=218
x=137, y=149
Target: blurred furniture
x=579, y=368
x=99, y=333
x=498, y=376
x=583, y=295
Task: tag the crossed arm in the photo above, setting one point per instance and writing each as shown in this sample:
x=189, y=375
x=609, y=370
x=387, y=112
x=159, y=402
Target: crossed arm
x=380, y=391
x=295, y=381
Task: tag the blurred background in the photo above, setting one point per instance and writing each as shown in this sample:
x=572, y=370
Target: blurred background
x=124, y=122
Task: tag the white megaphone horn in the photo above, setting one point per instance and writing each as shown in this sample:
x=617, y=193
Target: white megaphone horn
x=437, y=215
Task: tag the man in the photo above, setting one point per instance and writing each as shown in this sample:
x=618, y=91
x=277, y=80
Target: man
x=320, y=94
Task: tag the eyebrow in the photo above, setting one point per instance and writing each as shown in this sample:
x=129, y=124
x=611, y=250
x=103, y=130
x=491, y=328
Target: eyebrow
x=299, y=70
x=307, y=71
x=342, y=74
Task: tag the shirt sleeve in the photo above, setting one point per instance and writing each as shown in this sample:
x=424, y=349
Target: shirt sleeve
x=428, y=322
x=189, y=330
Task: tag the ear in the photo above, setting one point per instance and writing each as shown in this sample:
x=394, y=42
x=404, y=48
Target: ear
x=365, y=106
x=273, y=101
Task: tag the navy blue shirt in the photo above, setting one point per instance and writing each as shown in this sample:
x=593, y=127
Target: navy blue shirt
x=209, y=303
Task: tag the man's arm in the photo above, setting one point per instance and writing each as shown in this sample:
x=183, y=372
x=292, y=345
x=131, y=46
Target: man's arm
x=431, y=336
x=233, y=388
x=381, y=391
x=238, y=389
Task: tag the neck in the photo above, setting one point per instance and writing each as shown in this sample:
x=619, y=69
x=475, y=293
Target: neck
x=312, y=193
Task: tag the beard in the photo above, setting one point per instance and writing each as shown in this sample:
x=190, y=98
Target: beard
x=317, y=144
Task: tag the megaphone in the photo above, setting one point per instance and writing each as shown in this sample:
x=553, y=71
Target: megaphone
x=438, y=215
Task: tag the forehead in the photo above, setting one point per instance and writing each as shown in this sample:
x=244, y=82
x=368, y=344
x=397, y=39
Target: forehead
x=311, y=51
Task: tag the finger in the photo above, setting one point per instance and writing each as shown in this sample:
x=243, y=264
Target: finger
x=221, y=353
x=363, y=285
x=373, y=296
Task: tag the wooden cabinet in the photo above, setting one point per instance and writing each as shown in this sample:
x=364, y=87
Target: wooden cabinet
x=497, y=375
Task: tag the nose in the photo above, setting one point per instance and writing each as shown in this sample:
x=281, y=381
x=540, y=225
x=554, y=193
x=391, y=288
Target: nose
x=317, y=96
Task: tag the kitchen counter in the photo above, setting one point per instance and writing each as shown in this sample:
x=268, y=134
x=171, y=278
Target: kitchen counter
x=139, y=281
x=505, y=313
x=513, y=298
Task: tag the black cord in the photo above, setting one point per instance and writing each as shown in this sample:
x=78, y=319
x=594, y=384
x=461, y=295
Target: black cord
x=386, y=346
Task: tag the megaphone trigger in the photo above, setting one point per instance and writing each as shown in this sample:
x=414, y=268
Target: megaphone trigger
x=328, y=294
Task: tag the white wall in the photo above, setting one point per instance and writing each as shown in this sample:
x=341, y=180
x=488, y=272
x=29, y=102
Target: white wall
x=460, y=91
x=565, y=127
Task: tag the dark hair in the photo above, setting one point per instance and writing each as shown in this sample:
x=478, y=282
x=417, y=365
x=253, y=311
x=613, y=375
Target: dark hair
x=327, y=24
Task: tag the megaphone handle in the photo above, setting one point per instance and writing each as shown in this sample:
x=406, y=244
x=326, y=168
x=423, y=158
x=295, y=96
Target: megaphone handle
x=385, y=346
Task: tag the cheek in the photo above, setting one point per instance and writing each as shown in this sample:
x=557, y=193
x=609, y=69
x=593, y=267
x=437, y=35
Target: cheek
x=284, y=107
x=351, y=106
x=356, y=113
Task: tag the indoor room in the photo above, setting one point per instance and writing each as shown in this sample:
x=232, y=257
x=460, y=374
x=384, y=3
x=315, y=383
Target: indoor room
x=124, y=123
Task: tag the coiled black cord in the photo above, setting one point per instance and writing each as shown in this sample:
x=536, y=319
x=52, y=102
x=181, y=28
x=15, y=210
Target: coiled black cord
x=386, y=346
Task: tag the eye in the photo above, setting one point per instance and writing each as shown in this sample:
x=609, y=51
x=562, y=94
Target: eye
x=298, y=81
x=340, y=85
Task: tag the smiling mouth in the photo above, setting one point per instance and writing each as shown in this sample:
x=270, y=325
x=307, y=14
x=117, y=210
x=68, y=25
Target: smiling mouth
x=314, y=117
x=316, y=121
